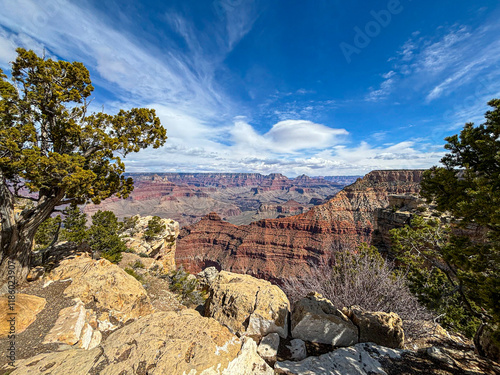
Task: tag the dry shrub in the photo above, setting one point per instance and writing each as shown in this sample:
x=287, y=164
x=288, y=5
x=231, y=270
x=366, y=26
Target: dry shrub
x=360, y=277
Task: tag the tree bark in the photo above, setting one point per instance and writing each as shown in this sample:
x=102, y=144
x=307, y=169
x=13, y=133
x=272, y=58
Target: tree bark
x=15, y=260
x=18, y=233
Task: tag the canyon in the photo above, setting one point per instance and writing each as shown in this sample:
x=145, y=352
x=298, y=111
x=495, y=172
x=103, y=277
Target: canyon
x=275, y=249
x=239, y=198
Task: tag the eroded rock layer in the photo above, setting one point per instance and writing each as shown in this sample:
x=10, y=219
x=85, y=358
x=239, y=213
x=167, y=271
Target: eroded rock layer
x=277, y=248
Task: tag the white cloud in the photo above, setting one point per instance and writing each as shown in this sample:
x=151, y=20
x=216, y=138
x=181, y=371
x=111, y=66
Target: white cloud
x=138, y=73
x=433, y=67
x=181, y=86
x=290, y=147
x=384, y=90
x=287, y=136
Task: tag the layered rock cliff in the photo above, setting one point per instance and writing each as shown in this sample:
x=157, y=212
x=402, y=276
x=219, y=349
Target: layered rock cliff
x=187, y=197
x=278, y=248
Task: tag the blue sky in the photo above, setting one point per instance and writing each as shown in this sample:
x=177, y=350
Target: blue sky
x=316, y=87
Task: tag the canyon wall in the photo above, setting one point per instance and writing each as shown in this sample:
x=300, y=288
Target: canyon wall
x=277, y=248
x=187, y=197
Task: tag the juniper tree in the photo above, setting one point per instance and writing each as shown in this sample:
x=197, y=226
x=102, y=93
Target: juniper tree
x=155, y=227
x=103, y=236
x=54, y=153
x=74, y=225
x=467, y=186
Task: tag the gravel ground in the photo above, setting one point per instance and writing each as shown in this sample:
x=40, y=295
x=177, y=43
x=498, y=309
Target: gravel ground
x=29, y=342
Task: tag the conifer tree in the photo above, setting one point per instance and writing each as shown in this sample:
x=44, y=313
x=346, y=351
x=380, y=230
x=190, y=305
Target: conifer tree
x=467, y=187
x=104, y=238
x=53, y=149
x=74, y=225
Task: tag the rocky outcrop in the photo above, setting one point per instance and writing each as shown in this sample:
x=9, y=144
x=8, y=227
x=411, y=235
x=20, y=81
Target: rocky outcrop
x=161, y=248
x=315, y=319
x=161, y=343
x=248, y=306
x=381, y=328
x=16, y=314
x=278, y=248
x=361, y=359
x=104, y=283
x=184, y=342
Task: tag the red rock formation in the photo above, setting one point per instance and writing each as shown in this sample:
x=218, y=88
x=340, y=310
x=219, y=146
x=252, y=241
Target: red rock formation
x=187, y=197
x=277, y=248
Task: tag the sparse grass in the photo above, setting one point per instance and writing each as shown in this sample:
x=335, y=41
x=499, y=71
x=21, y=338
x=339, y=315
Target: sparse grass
x=137, y=264
x=131, y=272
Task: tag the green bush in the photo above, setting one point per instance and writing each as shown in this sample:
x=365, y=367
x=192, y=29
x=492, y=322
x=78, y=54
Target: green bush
x=129, y=223
x=47, y=232
x=143, y=255
x=74, y=225
x=155, y=227
x=186, y=287
x=137, y=264
x=104, y=238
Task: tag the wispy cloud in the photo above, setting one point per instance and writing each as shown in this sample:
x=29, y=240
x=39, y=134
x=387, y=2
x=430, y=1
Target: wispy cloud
x=180, y=83
x=435, y=66
x=385, y=88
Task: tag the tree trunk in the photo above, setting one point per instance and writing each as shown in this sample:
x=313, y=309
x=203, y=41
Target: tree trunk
x=15, y=261
x=18, y=233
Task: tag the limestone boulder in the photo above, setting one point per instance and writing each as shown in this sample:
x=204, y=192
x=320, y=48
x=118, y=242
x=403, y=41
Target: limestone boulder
x=104, y=283
x=298, y=350
x=247, y=305
x=248, y=362
x=169, y=343
x=382, y=328
x=22, y=307
x=268, y=347
x=432, y=334
x=161, y=248
x=73, y=361
x=360, y=359
x=75, y=326
x=315, y=319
